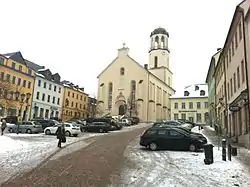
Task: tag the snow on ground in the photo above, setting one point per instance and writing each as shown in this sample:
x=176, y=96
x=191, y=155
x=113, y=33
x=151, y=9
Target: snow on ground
x=178, y=168
x=22, y=152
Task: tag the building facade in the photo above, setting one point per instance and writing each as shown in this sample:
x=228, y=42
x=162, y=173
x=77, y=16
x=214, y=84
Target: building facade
x=16, y=85
x=127, y=88
x=210, y=81
x=48, y=95
x=92, y=102
x=75, y=102
x=191, y=104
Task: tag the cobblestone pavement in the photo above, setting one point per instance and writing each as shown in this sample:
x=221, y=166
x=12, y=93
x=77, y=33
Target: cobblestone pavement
x=90, y=166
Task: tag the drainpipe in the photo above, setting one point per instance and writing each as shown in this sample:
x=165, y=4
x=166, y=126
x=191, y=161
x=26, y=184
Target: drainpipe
x=148, y=97
x=246, y=73
x=225, y=91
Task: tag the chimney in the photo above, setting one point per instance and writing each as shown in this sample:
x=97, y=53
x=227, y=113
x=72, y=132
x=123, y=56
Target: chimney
x=146, y=66
x=218, y=49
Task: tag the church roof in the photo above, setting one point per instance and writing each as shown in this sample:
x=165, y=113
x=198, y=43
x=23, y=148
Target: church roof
x=139, y=66
x=159, y=30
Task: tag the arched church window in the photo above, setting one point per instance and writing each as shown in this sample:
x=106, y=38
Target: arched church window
x=110, y=90
x=162, y=42
x=133, y=89
x=156, y=41
x=156, y=62
x=122, y=71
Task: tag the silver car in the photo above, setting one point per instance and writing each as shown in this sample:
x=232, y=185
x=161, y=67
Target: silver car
x=29, y=127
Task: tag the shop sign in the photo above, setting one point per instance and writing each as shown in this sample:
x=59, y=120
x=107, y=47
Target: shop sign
x=234, y=108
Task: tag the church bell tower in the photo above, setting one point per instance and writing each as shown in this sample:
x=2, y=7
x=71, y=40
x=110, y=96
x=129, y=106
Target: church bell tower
x=159, y=55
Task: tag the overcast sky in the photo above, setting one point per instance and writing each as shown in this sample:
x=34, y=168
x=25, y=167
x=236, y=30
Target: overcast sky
x=79, y=38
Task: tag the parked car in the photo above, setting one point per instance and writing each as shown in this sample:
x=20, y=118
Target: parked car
x=170, y=138
x=186, y=121
x=27, y=127
x=125, y=122
x=71, y=129
x=171, y=122
x=110, y=121
x=97, y=127
x=46, y=122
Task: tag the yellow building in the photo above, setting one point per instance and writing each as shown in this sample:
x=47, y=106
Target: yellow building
x=191, y=104
x=17, y=77
x=75, y=102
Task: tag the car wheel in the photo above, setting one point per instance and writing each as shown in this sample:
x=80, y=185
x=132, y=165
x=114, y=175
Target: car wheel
x=192, y=147
x=153, y=146
x=29, y=131
x=10, y=130
x=47, y=132
x=101, y=131
x=67, y=133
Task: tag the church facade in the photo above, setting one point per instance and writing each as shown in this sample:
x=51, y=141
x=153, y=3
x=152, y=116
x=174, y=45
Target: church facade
x=127, y=88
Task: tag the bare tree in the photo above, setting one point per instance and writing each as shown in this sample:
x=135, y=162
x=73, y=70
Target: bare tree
x=8, y=93
x=132, y=105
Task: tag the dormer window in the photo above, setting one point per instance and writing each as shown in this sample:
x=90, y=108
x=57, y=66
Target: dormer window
x=202, y=93
x=122, y=71
x=196, y=88
x=186, y=93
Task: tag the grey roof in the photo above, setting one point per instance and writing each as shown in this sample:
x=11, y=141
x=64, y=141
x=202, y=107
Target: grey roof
x=33, y=66
x=159, y=30
x=16, y=56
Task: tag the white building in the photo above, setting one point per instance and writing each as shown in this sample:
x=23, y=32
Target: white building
x=126, y=87
x=191, y=104
x=48, y=95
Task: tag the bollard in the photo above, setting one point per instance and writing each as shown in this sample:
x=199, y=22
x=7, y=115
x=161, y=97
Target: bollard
x=224, y=151
x=229, y=151
x=234, y=151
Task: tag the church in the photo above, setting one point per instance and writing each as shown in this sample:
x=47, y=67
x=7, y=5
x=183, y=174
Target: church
x=125, y=87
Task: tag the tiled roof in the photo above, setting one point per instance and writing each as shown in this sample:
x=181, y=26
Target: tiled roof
x=192, y=90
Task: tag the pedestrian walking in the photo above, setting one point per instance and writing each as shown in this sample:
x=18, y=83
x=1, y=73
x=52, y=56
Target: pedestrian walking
x=60, y=132
x=3, y=126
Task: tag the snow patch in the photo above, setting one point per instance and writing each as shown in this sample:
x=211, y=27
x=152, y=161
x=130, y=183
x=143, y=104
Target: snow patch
x=7, y=144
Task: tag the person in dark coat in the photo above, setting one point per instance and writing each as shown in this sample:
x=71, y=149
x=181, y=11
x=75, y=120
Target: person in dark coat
x=3, y=126
x=60, y=133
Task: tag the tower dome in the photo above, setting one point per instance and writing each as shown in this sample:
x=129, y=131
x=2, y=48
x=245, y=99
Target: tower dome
x=159, y=30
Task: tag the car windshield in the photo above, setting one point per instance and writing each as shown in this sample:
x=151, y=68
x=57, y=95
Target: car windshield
x=36, y=123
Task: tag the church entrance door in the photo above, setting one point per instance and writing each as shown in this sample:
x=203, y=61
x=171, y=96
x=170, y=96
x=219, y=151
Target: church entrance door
x=121, y=110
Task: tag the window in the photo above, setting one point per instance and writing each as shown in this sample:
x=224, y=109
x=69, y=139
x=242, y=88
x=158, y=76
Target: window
x=44, y=84
x=186, y=93
x=1, y=60
x=68, y=93
x=76, y=105
x=39, y=83
x=50, y=86
x=228, y=93
x=29, y=72
x=238, y=76
x=202, y=93
x=19, y=82
x=48, y=99
x=151, y=131
x=198, y=117
x=24, y=83
x=73, y=95
x=43, y=97
x=55, y=88
x=232, y=48
x=231, y=87
x=234, y=83
x=183, y=106
x=72, y=104
x=229, y=51
x=80, y=106
x=176, y=116
x=122, y=71
x=37, y=95
x=174, y=133
x=53, y=101
x=13, y=80
x=29, y=84
x=240, y=31
x=198, y=105
x=13, y=65
x=110, y=91
x=206, y=104
x=242, y=71
x=190, y=105
x=59, y=90
x=77, y=96
x=20, y=68
x=236, y=40
x=175, y=105
x=8, y=77
x=183, y=116
x=81, y=97
x=162, y=132
x=58, y=101
x=155, y=62
x=84, y=107
x=84, y=99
